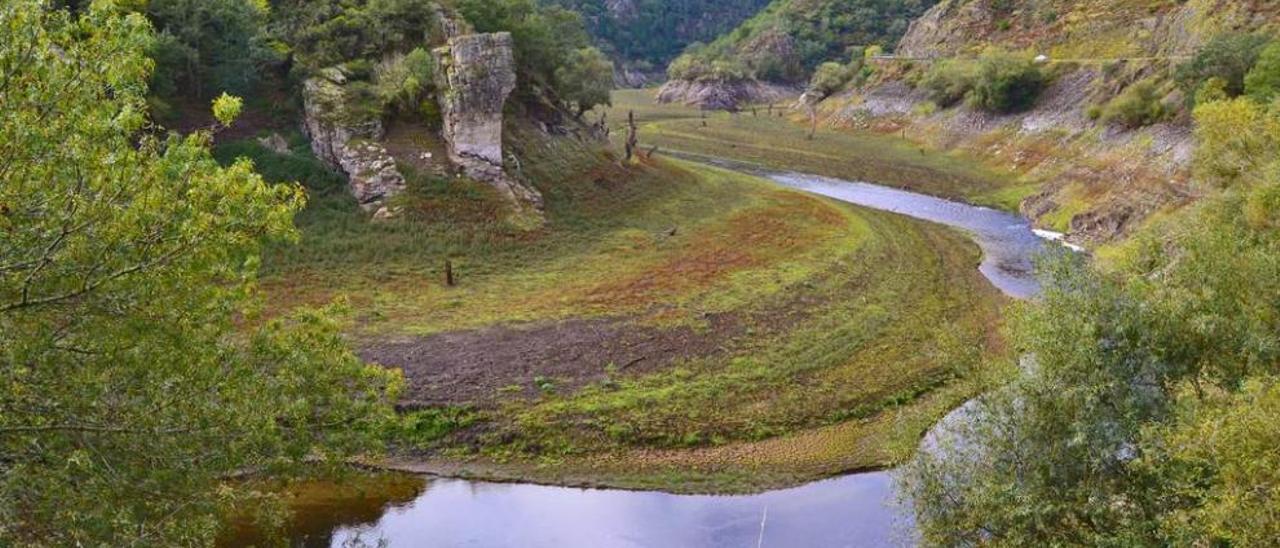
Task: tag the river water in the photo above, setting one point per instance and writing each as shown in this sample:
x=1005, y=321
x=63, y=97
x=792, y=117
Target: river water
x=853, y=510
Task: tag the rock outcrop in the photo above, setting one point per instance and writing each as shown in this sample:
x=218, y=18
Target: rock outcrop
x=331, y=119
x=344, y=136
x=722, y=95
x=475, y=74
x=372, y=174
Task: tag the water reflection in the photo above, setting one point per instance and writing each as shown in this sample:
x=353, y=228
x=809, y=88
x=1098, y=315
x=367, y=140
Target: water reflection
x=847, y=511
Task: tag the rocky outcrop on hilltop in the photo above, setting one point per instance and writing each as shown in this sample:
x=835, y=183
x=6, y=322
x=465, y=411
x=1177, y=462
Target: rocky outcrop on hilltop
x=723, y=95
x=475, y=74
x=344, y=136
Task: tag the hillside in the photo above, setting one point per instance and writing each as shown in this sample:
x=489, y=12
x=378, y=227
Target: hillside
x=776, y=50
x=644, y=35
x=1088, y=167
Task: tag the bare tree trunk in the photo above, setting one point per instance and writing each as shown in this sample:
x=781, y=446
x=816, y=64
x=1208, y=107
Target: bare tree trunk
x=448, y=274
x=813, y=121
x=632, y=139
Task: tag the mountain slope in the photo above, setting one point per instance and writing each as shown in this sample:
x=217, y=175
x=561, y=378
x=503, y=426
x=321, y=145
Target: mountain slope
x=785, y=41
x=647, y=34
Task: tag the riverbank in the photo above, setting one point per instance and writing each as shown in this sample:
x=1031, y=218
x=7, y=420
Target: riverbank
x=673, y=327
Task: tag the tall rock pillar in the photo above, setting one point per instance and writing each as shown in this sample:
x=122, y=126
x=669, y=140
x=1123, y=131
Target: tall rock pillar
x=475, y=74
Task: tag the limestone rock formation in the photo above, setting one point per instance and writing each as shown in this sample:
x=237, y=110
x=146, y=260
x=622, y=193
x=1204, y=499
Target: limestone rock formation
x=716, y=95
x=331, y=120
x=344, y=136
x=373, y=175
x=475, y=75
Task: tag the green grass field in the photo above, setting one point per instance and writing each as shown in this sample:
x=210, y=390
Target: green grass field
x=848, y=333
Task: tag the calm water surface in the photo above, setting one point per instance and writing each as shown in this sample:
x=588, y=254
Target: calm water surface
x=855, y=510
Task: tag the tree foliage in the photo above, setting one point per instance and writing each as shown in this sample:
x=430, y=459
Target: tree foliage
x=998, y=81
x=585, y=80
x=207, y=47
x=653, y=32
x=1144, y=410
x=787, y=40
x=137, y=376
x=1263, y=81
x=1227, y=56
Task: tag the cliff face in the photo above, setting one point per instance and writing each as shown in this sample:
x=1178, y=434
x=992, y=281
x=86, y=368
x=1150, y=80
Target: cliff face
x=345, y=136
x=475, y=74
x=331, y=120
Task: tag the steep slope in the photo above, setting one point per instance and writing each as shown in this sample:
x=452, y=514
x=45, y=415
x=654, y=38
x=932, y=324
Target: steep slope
x=1092, y=177
x=644, y=35
x=782, y=45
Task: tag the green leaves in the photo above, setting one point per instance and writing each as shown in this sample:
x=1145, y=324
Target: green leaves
x=226, y=109
x=137, y=376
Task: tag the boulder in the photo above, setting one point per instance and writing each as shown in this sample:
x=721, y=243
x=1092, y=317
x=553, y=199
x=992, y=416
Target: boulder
x=722, y=95
x=475, y=75
x=372, y=174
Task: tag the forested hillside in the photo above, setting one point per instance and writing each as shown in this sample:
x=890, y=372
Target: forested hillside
x=649, y=33
x=789, y=38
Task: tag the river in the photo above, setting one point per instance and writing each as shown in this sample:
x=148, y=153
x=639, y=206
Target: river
x=853, y=510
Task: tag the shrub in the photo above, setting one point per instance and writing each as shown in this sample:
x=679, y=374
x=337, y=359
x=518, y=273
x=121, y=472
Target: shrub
x=1140, y=104
x=1263, y=81
x=829, y=78
x=1237, y=139
x=1228, y=56
x=585, y=80
x=1005, y=83
x=401, y=81
x=949, y=81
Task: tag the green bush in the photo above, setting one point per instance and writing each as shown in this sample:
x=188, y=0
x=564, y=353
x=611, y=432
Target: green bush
x=402, y=81
x=1005, y=83
x=829, y=78
x=1139, y=105
x=1263, y=81
x=949, y=81
x=1227, y=56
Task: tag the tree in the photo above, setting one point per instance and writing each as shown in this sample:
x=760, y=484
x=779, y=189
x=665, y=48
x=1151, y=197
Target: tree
x=1144, y=413
x=137, y=375
x=208, y=46
x=585, y=80
x=1005, y=82
x=829, y=78
x=1237, y=139
x=1227, y=56
x=1263, y=81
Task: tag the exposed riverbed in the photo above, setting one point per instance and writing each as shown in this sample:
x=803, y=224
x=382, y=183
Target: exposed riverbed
x=853, y=510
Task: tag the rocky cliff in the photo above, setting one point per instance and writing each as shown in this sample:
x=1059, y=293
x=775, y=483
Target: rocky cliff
x=475, y=74
x=344, y=135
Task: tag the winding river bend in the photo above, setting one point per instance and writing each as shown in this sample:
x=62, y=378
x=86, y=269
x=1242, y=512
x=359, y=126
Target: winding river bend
x=853, y=510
